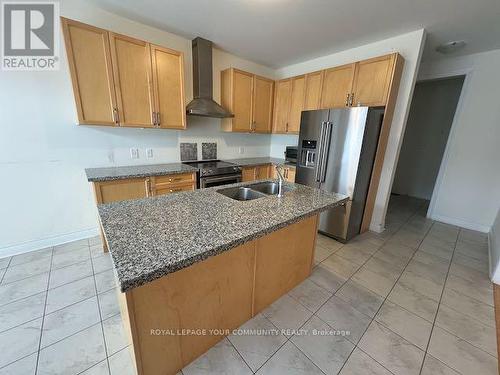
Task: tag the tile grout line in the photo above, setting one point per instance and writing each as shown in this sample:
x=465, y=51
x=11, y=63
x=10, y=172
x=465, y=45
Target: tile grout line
x=44, y=310
x=100, y=315
x=385, y=298
x=439, y=305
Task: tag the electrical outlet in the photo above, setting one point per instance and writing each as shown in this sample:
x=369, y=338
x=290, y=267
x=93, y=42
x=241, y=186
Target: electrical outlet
x=149, y=153
x=134, y=153
x=241, y=150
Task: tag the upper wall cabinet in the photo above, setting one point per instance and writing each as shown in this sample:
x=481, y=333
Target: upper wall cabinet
x=314, y=83
x=122, y=81
x=337, y=86
x=289, y=104
x=89, y=59
x=372, y=80
x=168, y=87
x=282, y=99
x=133, y=81
x=250, y=98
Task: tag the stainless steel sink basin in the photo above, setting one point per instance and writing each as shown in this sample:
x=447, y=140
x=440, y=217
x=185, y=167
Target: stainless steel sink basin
x=269, y=188
x=241, y=193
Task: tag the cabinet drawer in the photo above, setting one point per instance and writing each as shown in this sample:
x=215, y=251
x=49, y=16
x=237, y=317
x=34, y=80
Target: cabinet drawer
x=173, y=189
x=173, y=179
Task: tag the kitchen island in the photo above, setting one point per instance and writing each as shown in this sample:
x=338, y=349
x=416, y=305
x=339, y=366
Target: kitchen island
x=193, y=266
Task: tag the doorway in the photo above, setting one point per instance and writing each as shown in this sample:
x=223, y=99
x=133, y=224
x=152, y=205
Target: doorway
x=427, y=131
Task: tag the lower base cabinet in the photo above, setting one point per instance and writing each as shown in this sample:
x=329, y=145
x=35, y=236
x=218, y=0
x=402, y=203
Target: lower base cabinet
x=259, y=172
x=175, y=319
x=288, y=173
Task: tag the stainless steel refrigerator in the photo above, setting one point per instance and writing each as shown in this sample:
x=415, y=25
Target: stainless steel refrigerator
x=336, y=153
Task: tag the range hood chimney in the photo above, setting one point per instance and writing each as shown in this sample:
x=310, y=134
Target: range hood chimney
x=203, y=103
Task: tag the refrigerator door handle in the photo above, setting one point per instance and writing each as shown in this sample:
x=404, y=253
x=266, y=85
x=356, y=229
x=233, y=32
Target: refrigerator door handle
x=326, y=147
x=320, y=151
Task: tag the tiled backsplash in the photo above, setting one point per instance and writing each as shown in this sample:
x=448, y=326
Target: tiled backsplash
x=209, y=151
x=189, y=151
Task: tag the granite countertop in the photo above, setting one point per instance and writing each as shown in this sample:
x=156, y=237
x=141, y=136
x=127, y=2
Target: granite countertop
x=251, y=162
x=134, y=171
x=152, y=237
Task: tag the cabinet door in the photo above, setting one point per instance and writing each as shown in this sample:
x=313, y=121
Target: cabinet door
x=282, y=105
x=337, y=84
x=262, y=104
x=132, y=72
x=119, y=190
x=290, y=174
x=168, y=87
x=248, y=174
x=372, y=80
x=242, y=101
x=262, y=172
x=89, y=62
x=313, y=90
x=296, y=104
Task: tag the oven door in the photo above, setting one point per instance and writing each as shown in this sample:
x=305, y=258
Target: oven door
x=210, y=181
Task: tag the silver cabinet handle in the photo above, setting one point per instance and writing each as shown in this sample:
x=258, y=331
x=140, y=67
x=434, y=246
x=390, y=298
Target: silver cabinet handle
x=154, y=119
x=347, y=100
x=116, y=116
x=351, y=100
x=158, y=120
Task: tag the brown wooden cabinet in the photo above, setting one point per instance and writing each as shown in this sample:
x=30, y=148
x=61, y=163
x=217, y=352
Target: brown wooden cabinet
x=119, y=190
x=372, y=80
x=132, y=71
x=135, y=188
x=337, y=86
x=250, y=98
x=282, y=97
x=288, y=173
x=263, y=95
x=314, y=83
x=259, y=172
x=89, y=60
x=169, y=184
x=289, y=101
x=122, y=81
x=168, y=87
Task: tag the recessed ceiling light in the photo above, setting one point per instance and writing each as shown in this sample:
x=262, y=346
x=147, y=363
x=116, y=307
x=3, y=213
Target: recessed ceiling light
x=451, y=47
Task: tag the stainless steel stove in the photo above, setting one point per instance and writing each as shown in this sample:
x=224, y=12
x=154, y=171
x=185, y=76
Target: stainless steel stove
x=215, y=172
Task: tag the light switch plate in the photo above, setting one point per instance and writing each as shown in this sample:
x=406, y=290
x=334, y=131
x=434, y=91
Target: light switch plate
x=134, y=153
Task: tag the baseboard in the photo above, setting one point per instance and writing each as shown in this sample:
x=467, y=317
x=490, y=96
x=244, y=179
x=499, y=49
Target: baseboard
x=46, y=242
x=460, y=223
x=377, y=228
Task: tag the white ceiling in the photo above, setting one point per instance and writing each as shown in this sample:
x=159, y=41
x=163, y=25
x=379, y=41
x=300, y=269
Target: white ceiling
x=277, y=33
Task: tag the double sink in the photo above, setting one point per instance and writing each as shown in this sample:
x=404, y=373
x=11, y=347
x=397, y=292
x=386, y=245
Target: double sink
x=253, y=191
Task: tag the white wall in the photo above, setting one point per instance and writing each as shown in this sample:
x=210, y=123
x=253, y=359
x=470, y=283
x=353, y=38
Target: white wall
x=494, y=250
x=468, y=187
x=43, y=153
x=410, y=47
x=431, y=115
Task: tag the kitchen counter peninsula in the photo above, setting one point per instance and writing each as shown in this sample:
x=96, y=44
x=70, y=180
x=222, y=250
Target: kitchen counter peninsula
x=200, y=261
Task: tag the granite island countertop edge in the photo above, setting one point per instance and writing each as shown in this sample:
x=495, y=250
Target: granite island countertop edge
x=159, y=273
x=140, y=257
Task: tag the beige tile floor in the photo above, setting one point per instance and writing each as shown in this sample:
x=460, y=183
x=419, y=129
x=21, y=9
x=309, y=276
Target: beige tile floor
x=414, y=300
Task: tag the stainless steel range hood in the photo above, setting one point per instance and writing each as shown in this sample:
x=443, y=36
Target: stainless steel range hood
x=203, y=103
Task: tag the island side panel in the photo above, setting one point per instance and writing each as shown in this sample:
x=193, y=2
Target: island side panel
x=212, y=294
x=283, y=260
